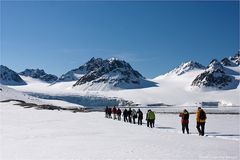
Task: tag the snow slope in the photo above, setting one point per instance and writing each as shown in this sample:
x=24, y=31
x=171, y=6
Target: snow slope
x=186, y=67
x=28, y=134
x=7, y=93
x=176, y=90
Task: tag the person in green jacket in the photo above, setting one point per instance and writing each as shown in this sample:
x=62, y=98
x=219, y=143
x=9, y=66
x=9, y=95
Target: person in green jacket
x=151, y=118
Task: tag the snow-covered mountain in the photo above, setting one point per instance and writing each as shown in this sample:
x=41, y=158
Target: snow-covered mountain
x=227, y=62
x=111, y=74
x=9, y=77
x=77, y=73
x=231, y=61
x=216, y=76
x=113, y=78
x=39, y=74
x=236, y=58
x=185, y=67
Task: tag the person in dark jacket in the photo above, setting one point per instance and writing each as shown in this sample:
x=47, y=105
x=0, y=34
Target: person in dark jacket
x=119, y=112
x=109, y=112
x=125, y=115
x=140, y=116
x=106, y=112
x=185, y=120
x=114, y=111
x=147, y=118
x=130, y=115
x=134, y=115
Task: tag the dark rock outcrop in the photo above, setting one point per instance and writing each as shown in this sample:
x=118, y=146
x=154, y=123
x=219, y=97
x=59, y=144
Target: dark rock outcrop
x=10, y=77
x=39, y=74
x=216, y=77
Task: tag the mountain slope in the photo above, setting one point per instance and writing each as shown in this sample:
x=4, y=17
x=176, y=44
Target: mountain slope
x=77, y=73
x=39, y=74
x=7, y=93
x=112, y=74
x=215, y=76
x=186, y=67
x=236, y=58
x=232, y=61
x=9, y=77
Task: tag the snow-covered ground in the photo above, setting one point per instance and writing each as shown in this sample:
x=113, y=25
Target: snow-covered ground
x=30, y=134
x=7, y=93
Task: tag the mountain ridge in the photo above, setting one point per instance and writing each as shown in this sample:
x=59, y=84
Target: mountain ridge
x=215, y=76
x=10, y=77
x=39, y=74
x=115, y=72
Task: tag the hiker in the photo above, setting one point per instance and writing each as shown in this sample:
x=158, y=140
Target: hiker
x=201, y=120
x=114, y=111
x=109, y=112
x=130, y=115
x=134, y=115
x=185, y=120
x=119, y=112
x=106, y=112
x=147, y=118
x=125, y=115
x=140, y=116
x=151, y=118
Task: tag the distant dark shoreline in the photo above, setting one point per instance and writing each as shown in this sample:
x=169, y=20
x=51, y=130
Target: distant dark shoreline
x=157, y=109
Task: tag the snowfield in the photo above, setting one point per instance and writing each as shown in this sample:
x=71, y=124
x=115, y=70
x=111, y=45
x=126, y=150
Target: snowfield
x=7, y=93
x=30, y=134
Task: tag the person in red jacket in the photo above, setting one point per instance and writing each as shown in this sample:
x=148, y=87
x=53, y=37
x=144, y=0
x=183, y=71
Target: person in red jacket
x=185, y=120
x=119, y=112
x=114, y=111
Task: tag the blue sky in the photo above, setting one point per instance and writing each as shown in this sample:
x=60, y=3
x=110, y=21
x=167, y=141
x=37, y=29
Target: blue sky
x=154, y=37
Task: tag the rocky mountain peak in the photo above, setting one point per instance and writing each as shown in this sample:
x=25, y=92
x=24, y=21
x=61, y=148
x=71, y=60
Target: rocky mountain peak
x=75, y=74
x=111, y=71
x=9, y=77
x=187, y=66
x=236, y=58
x=216, y=77
x=215, y=65
x=227, y=62
x=34, y=73
x=39, y=74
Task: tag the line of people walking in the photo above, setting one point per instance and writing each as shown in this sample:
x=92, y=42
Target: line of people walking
x=130, y=115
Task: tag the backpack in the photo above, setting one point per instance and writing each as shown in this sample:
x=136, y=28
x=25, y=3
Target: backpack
x=151, y=115
x=140, y=115
x=186, y=116
x=202, y=115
